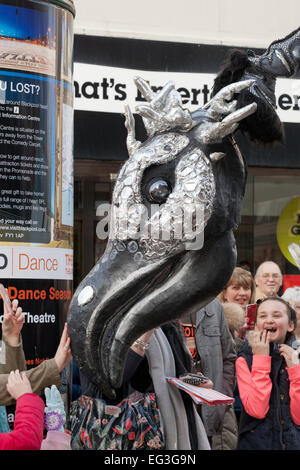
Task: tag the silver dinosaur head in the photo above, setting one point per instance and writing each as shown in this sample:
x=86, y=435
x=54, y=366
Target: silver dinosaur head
x=169, y=249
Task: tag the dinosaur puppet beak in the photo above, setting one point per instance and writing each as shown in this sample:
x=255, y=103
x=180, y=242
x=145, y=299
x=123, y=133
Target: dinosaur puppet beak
x=98, y=308
x=121, y=299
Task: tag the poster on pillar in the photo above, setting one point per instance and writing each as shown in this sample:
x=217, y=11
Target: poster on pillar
x=36, y=167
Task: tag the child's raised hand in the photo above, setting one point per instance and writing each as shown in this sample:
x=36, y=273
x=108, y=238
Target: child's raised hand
x=18, y=384
x=259, y=342
x=12, y=324
x=290, y=355
x=63, y=354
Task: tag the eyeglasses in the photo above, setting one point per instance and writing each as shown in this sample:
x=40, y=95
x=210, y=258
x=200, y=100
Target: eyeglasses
x=272, y=276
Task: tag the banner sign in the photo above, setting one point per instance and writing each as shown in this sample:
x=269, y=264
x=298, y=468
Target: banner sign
x=106, y=89
x=36, y=262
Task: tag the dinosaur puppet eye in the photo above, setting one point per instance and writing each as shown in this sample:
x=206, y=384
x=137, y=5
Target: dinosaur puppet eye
x=158, y=190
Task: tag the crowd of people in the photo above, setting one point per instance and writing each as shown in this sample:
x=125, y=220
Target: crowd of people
x=259, y=366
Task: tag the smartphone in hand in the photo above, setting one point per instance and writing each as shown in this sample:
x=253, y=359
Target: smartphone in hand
x=193, y=379
x=6, y=299
x=250, y=316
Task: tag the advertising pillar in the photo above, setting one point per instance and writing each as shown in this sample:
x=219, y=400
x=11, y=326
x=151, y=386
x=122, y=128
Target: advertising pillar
x=36, y=166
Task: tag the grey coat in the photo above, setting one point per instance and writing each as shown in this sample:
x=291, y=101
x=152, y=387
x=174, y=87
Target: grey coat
x=174, y=420
x=216, y=349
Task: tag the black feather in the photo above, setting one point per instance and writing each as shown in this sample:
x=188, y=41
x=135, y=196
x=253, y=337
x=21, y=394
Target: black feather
x=232, y=70
x=264, y=126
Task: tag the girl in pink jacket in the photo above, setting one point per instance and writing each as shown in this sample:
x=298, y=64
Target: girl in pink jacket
x=268, y=377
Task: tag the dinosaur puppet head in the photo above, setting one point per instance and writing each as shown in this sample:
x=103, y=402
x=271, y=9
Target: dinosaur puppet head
x=167, y=253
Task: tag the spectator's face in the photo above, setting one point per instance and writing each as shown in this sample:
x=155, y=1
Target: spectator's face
x=296, y=306
x=238, y=294
x=269, y=279
x=272, y=316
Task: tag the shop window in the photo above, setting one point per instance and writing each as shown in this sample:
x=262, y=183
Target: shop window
x=93, y=186
x=78, y=202
x=244, y=232
x=268, y=192
x=265, y=200
x=77, y=251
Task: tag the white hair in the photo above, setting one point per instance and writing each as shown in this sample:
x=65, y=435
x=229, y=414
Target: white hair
x=292, y=294
x=257, y=274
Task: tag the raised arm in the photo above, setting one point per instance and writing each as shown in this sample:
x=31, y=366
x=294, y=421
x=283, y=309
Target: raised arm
x=45, y=374
x=13, y=354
